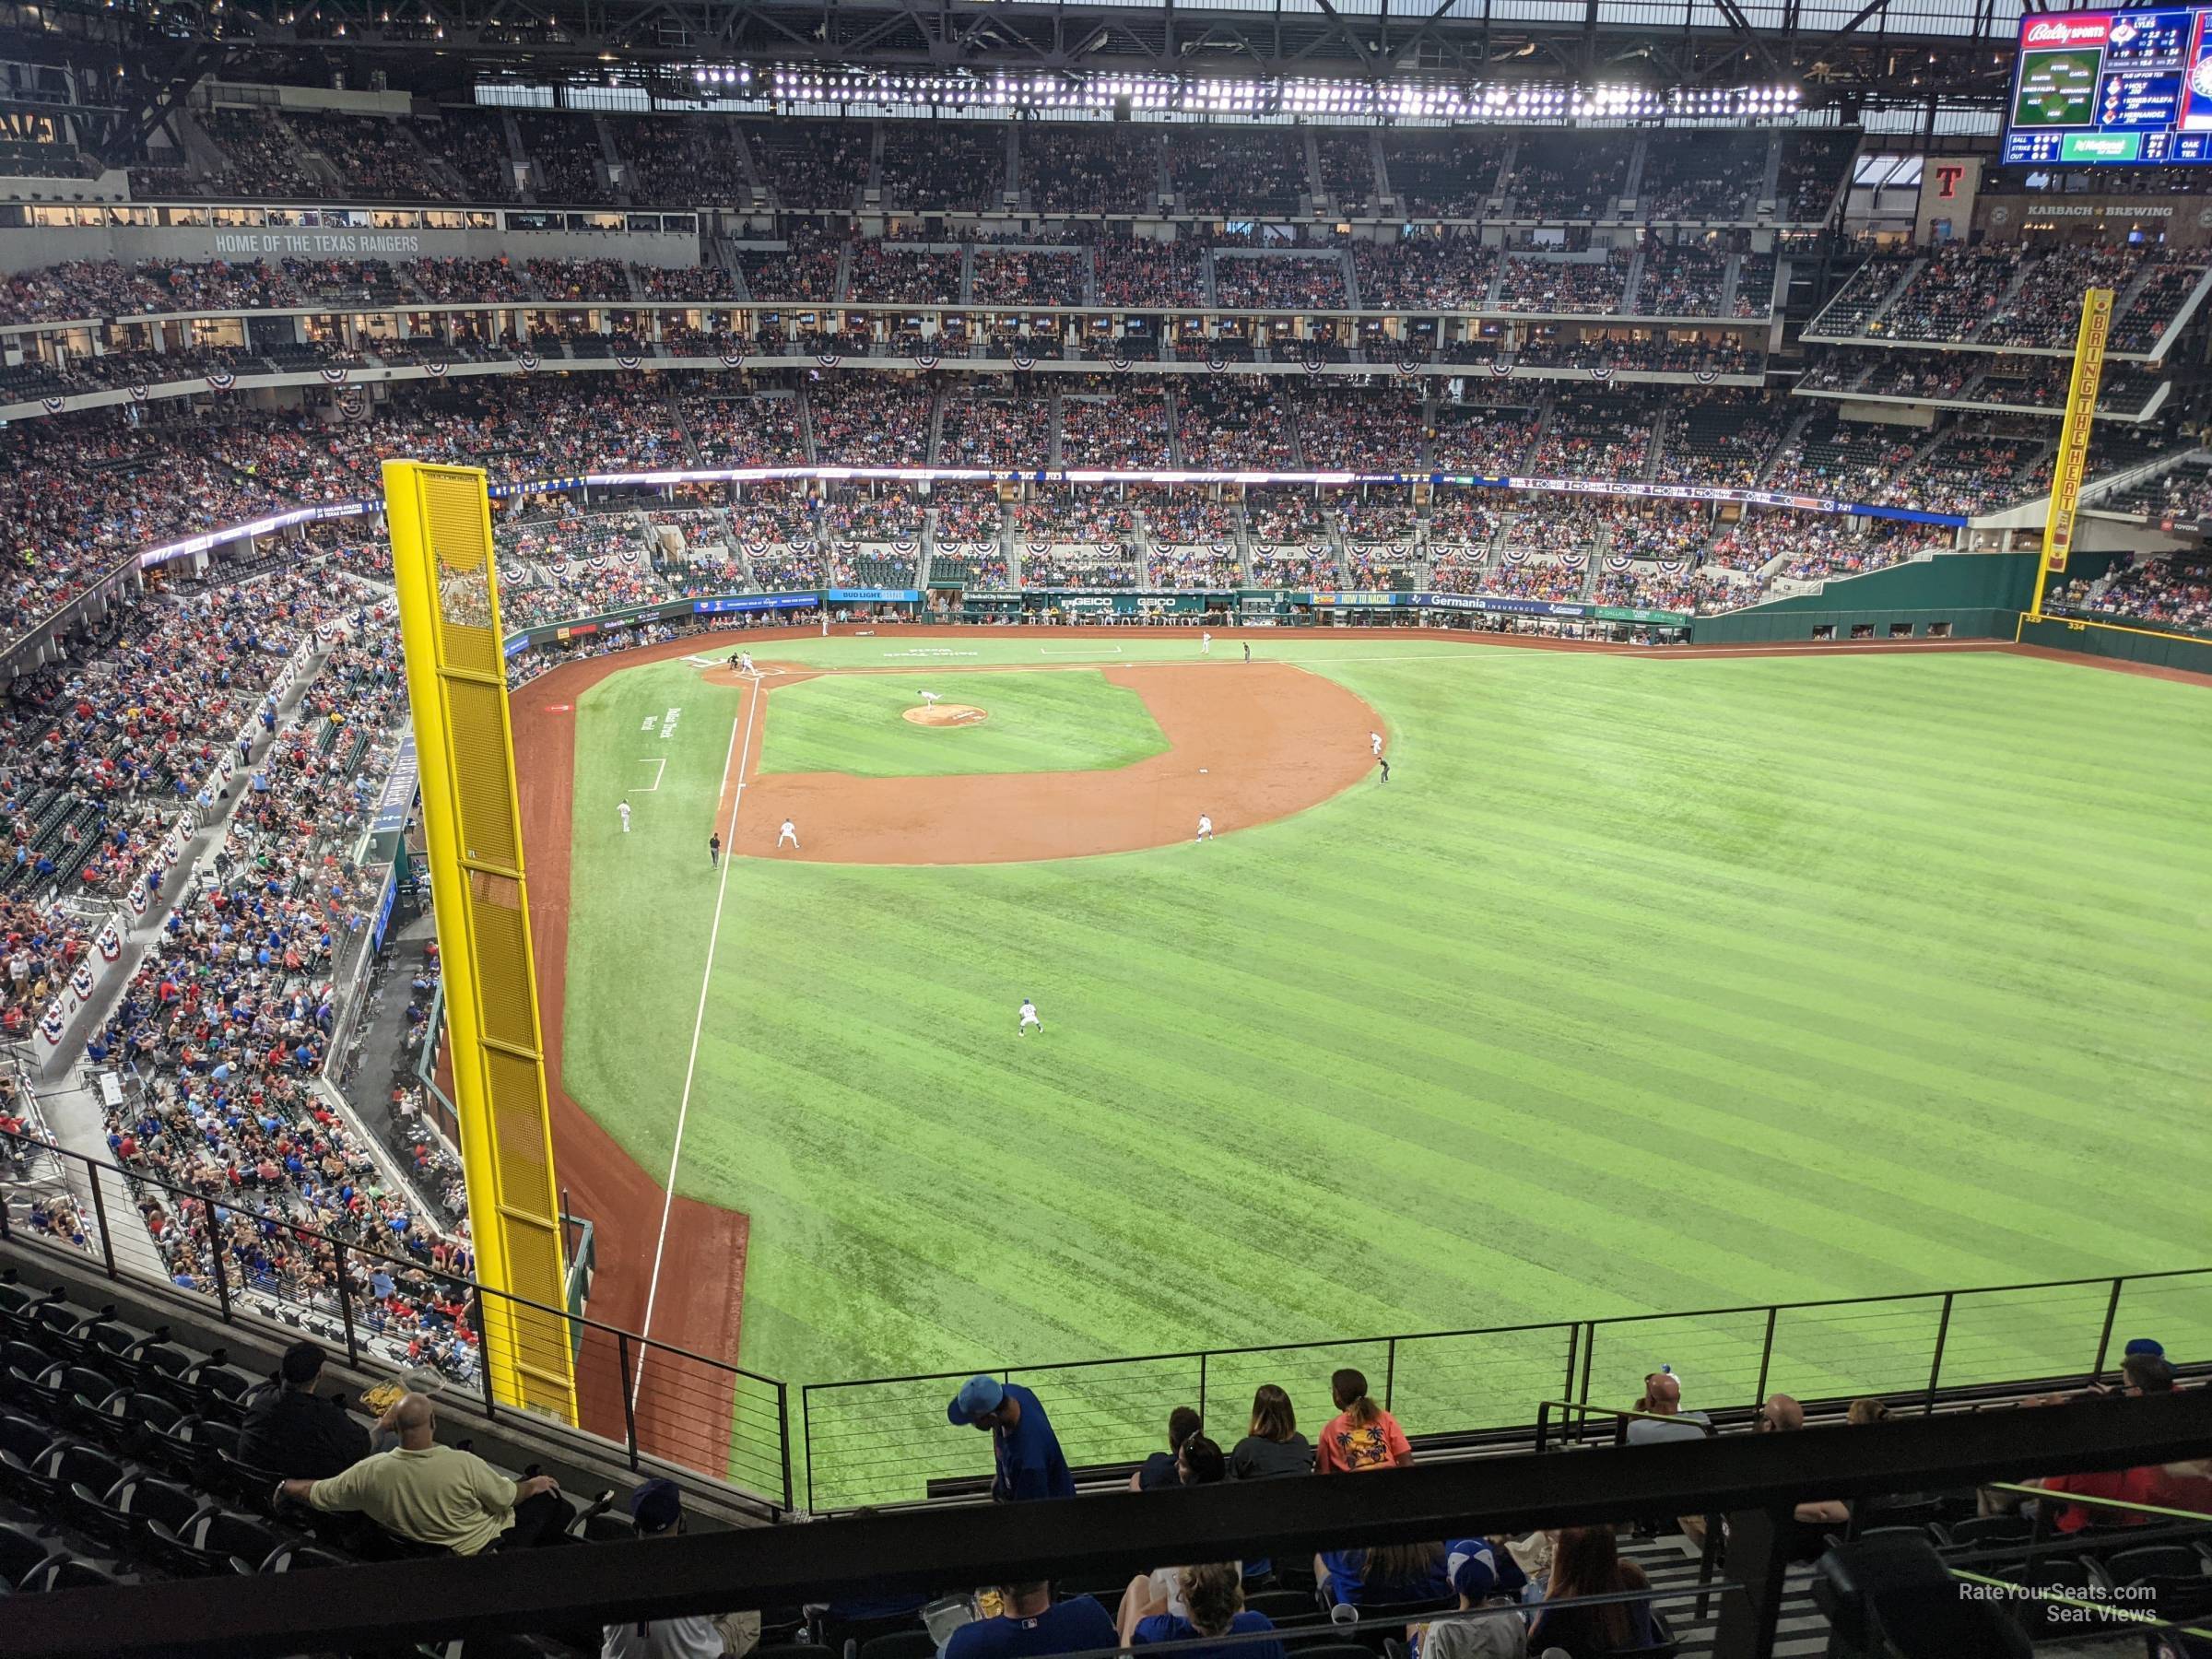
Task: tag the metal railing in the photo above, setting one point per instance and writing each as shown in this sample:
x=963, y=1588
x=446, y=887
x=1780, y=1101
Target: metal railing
x=885, y=1440
x=395, y=1313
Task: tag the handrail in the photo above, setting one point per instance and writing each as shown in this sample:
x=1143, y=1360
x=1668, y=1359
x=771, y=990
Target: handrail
x=1625, y=1414
x=2027, y=1490
x=193, y=1208
x=1753, y=1479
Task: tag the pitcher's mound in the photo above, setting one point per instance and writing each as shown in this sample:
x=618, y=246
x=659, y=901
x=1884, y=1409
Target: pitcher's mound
x=945, y=713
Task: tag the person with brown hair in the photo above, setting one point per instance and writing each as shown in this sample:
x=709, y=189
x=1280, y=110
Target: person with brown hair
x=1213, y=1600
x=1160, y=1469
x=1389, y=1572
x=1585, y=1562
x=1361, y=1435
x=1272, y=1445
x=1867, y=1410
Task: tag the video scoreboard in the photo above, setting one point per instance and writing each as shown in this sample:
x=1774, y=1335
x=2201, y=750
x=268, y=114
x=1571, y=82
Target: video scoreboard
x=2113, y=88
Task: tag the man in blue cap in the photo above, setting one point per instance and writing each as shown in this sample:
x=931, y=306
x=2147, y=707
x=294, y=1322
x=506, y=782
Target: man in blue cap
x=1485, y=1575
x=1030, y=1463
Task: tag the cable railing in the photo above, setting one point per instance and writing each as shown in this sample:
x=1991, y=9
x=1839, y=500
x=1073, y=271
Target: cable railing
x=883, y=1440
x=873, y=1441
x=399, y=1315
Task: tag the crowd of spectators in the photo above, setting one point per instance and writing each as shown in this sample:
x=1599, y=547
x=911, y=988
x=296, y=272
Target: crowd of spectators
x=1706, y=175
x=978, y=430
x=1425, y=273
x=803, y=267
x=1030, y=277
x=1221, y=170
x=1142, y=271
x=1359, y=431
x=228, y=1017
x=1592, y=436
x=811, y=163
x=1567, y=175
x=1281, y=281
x=571, y=165
x=2172, y=591
x=1570, y=284
x=881, y=271
x=1089, y=169
x=1682, y=280
x=868, y=420
x=960, y=165
x=1442, y=174
x=748, y=430
x=1123, y=429
x=1222, y=424
x=376, y=157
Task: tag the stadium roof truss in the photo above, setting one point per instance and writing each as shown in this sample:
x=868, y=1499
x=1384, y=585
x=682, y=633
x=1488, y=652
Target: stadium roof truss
x=1852, y=54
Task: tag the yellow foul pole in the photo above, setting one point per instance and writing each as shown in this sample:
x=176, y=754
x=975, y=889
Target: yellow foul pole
x=449, y=614
x=2074, y=440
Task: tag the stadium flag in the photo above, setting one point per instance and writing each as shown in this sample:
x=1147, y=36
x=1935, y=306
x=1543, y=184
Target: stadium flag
x=448, y=585
x=2073, y=439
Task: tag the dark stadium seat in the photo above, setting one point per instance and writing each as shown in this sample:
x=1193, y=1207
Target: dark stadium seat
x=1982, y=1532
x=22, y=1555
x=301, y=1558
x=70, y=1573
x=1281, y=1604
x=158, y=1513
x=794, y=1650
x=916, y=1643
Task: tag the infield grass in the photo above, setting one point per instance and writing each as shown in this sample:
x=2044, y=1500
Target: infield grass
x=1067, y=720
x=1644, y=985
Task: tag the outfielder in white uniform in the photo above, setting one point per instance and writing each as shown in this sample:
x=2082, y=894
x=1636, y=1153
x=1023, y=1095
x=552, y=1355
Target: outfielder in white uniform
x=788, y=833
x=1029, y=1018
x=1205, y=828
x=624, y=810
x=1375, y=741
x=1206, y=645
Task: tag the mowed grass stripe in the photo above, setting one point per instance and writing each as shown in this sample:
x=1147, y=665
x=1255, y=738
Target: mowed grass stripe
x=1643, y=984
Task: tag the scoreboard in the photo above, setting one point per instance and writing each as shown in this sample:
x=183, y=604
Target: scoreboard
x=2113, y=88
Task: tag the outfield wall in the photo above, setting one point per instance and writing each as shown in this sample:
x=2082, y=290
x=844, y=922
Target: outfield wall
x=2116, y=642
x=1977, y=594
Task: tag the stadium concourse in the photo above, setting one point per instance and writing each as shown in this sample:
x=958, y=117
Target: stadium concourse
x=1058, y=417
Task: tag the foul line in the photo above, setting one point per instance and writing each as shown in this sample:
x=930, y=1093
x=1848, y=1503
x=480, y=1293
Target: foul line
x=698, y=1026
x=660, y=761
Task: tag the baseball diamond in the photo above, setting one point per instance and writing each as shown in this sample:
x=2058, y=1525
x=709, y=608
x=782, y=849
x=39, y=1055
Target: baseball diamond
x=1598, y=1005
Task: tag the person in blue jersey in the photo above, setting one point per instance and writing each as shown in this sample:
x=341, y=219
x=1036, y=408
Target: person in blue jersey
x=1026, y=1453
x=1212, y=1601
x=1033, y=1625
x=1392, y=1572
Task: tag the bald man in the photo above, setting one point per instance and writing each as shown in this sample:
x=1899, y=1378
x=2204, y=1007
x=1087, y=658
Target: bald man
x=436, y=1495
x=1662, y=1397
x=1782, y=1415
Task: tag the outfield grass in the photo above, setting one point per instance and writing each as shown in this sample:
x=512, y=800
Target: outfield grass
x=1643, y=985
x=1072, y=720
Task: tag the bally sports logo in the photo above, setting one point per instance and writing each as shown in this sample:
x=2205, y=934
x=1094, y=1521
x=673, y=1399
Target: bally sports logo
x=2089, y=29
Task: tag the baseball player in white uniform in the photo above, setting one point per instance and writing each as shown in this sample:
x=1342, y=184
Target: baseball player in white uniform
x=1029, y=1018
x=929, y=699
x=1205, y=828
x=790, y=832
x=1374, y=742
x=744, y=662
x=624, y=810
x=1206, y=645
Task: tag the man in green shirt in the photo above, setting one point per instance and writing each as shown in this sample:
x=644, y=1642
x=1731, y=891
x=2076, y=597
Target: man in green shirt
x=438, y=1495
